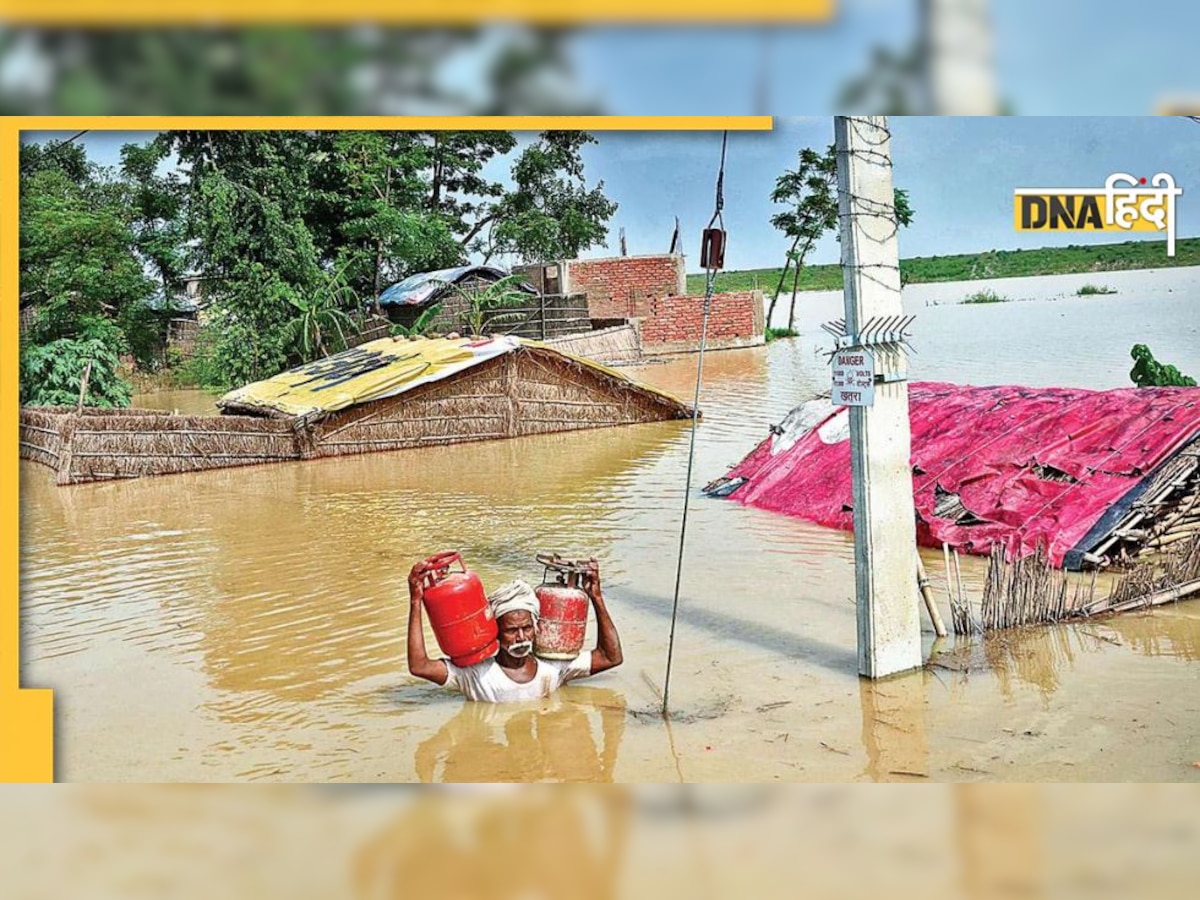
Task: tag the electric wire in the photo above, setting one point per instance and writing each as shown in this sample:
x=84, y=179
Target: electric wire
x=717, y=219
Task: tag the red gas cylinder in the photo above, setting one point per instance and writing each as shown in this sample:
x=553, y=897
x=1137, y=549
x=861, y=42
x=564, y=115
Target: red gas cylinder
x=459, y=611
x=564, y=609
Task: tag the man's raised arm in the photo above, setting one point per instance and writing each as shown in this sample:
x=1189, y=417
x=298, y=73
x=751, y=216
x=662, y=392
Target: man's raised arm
x=607, y=654
x=419, y=663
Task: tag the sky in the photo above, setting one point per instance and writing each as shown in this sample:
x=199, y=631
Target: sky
x=960, y=174
x=1051, y=56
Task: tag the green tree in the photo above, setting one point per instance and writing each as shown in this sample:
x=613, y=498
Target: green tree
x=63, y=156
x=810, y=194
x=1149, y=372
x=80, y=274
x=368, y=214
x=457, y=189
x=76, y=250
x=552, y=213
x=157, y=213
x=248, y=193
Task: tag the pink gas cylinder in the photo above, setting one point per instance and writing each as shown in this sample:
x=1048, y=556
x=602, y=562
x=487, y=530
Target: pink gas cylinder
x=459, y=612
x=564, y=608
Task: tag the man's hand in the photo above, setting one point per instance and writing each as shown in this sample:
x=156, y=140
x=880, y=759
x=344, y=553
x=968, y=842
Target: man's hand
x=419, y=663
x=416, y=583
x=590, y=581
x=607, y=654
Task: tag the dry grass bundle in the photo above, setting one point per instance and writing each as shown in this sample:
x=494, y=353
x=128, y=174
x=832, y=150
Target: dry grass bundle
x=618, y=345
x=1168, y=577
x=41, y=434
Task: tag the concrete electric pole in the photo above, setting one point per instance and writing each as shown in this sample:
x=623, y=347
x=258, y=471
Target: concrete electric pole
x=956, y=58
x=885, y=556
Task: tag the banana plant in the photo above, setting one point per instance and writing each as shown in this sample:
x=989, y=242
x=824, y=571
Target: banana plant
x=483, y=301
x=422, y=326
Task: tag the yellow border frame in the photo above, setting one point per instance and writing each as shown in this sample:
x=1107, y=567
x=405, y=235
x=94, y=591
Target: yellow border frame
x=26, y=715
x=411, y=12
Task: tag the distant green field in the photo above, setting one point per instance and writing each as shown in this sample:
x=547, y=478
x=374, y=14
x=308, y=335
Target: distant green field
x=974, y=266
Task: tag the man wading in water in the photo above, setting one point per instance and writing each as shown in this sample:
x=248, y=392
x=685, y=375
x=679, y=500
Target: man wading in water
x=514, y=673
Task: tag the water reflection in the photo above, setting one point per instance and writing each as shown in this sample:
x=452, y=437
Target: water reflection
x=507, y=844
x=893, y=727
x=1033, y=656
x=1039, y=657
x=551, y=740
x=1172, y=633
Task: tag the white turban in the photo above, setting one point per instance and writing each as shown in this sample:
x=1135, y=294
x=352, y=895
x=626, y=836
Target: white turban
x=516, y=596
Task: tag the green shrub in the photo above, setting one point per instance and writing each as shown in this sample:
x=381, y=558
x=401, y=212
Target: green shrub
x=774, y=333
x=985, y=296
x=52, y=374
x=1149, y=372
x=1091, y=290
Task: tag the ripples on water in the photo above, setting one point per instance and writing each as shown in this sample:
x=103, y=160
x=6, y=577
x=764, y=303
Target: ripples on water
x=248, y=623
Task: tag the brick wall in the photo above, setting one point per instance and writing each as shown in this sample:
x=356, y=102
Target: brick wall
x=673, y=324
x=619, y=287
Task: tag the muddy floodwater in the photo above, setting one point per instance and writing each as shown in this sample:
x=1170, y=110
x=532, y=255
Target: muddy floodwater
x=249, y=623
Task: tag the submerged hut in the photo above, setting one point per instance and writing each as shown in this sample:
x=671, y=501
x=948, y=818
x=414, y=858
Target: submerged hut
x=1092, y=478
x=389, y=394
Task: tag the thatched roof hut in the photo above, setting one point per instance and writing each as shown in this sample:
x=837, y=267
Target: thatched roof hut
x=389, y=394
x=397, y=393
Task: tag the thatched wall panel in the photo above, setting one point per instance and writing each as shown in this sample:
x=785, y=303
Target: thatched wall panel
x=616, y=345
x=40, y=438
x=468, y=407
x=95, y=444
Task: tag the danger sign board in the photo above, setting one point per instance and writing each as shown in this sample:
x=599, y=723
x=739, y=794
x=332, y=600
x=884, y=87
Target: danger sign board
x=853, y=377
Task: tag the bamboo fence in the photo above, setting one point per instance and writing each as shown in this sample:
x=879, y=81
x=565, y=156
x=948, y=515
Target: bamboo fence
x=1029, y=591
x=92, y=444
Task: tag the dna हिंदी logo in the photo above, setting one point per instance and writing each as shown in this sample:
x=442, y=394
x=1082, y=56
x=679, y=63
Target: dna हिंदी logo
x=1125, y=203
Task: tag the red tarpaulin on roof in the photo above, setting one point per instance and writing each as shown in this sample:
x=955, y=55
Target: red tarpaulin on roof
x=1030, y=465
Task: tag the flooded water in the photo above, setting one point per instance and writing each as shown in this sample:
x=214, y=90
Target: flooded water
x=249, y=623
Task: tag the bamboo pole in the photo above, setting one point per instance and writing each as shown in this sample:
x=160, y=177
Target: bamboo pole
x=83, y=386
x=1154, y=598
x=939, y=628
x=966, y=609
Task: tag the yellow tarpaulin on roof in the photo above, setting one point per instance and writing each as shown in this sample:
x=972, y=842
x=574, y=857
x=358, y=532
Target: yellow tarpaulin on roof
x=377, y=370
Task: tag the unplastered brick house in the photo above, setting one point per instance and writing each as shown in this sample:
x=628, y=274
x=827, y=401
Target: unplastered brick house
x=651, y=292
